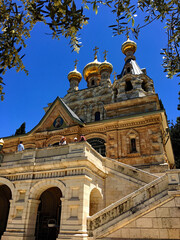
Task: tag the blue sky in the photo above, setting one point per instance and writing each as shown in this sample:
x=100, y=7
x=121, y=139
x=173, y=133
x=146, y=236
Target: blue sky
x=49, y=62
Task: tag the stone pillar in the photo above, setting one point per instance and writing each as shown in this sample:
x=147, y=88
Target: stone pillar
x=31, y=216
x=121, y=91
x=63, y=217
x=75, y=209
x=150, y=87
x=9, y=227
x=137, y=88
x=21, y=224
x=15, y=224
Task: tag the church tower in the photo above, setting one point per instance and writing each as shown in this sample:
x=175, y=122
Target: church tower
x=110, y=177
x=133, y=81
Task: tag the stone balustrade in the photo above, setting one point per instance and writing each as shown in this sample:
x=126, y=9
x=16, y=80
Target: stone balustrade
x=63, y=159
x=128, y=205
x=130, y=171
x=51, y=153
x=123, y=210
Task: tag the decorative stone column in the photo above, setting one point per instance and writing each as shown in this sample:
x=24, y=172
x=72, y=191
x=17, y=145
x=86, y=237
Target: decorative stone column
x=121, y=96
x=137, y=88
x=21, y=220
x=31, y=216
x=75, y=209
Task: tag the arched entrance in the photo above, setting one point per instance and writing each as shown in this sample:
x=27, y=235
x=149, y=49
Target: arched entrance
x=49, y=214
x=99, y=145
x=5, y=196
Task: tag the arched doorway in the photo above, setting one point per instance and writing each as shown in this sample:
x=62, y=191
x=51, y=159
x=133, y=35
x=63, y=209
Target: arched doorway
x=5, y=196
x=96, y=202
x=99, y=145
x=49, y=214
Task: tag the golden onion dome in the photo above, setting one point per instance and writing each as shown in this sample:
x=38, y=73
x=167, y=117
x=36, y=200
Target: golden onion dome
x=106, y=66
x=75, y=74
x=129, y=46
x=91, y=68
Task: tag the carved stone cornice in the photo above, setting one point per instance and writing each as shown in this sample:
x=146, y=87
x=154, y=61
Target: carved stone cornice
x=118, y=125
x=131, y=102
x=64, y=131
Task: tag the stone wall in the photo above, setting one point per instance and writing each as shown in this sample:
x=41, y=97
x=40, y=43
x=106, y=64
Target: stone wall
x=161, y=223
x=154, y=209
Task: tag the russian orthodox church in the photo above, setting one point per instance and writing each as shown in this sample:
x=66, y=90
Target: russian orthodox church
x=118, y=184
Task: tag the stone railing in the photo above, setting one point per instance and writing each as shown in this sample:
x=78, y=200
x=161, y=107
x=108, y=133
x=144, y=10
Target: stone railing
x=130, y=171
x=59, y=154
x=174, y=180
x=128, y=205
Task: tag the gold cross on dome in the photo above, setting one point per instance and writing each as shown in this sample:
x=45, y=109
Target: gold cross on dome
x=95, y=52
x=114, y=73
x=127, y=33
x=75, y=63
x=105, y=55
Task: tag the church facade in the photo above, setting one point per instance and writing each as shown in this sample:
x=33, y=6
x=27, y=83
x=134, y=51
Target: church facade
x=118, y=184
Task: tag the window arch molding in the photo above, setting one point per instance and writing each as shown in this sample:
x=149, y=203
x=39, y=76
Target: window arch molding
x=133, y=142
x=53, y=140
x=98, y=108
x=96, y=135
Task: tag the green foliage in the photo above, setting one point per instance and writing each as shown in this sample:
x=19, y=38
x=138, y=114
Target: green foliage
x=21, y=130
x=17, y=18
x=175, y=139
x=64, y=18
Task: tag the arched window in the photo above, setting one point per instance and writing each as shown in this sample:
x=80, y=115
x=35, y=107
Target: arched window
x=115, y=94
x=132, y=140
x=133, y=145
x=128, y=86
x=97, y=116
x=92, y=83
x=99, y=145
x=144, y=86
x=128, y=70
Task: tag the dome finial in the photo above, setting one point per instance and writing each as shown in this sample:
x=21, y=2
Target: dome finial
x=75, y=63
x=95, y=52
x=75, y=75
x=105, y=55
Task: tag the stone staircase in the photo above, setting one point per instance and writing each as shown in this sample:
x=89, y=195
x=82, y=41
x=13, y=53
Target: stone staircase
x=141, y=176
x=129, y=208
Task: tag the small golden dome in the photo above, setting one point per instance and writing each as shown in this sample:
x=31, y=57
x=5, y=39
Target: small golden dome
x=91, y=68
x=106, y=65
x=129, y=46
x=75, y=74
